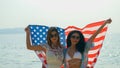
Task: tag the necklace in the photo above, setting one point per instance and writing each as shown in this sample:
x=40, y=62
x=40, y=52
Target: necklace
x=71, y=52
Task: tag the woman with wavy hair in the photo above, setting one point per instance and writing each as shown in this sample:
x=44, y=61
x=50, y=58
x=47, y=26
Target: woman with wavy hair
x=53, y=49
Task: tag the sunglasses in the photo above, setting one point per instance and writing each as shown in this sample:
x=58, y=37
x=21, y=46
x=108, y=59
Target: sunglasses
x=75, y=37
x=53, y=35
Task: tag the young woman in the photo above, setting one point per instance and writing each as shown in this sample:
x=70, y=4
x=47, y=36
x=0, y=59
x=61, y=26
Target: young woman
x=53, y=49
x=78, y=48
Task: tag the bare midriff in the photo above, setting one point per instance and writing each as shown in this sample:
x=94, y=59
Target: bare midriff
x=74, y=63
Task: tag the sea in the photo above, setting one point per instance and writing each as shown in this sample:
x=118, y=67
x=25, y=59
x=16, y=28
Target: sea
x=14, y=54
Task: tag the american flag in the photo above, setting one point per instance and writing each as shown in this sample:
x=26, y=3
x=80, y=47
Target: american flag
x=87, y=31
x=38, y=36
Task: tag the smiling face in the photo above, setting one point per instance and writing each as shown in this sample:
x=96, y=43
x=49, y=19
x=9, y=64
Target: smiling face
x=54, y=37
x=75, y=38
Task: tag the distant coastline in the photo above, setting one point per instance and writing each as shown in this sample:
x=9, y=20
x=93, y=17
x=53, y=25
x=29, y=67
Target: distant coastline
x=21, y=31
x=12, y=31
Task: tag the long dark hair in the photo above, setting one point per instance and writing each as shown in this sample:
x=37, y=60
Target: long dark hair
x=51, y=29
x=80, y=46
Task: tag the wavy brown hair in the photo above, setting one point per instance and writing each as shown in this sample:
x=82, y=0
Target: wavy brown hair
x=51, y=29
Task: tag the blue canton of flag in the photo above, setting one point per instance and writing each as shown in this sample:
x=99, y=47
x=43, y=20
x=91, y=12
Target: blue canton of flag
x=39, y=34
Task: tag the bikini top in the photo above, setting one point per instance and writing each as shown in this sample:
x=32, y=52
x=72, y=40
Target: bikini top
x=76, y=55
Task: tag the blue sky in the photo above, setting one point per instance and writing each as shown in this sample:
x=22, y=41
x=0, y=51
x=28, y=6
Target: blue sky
x=62, y=13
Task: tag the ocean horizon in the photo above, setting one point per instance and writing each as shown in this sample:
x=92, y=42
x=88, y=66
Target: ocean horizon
x=14, y=53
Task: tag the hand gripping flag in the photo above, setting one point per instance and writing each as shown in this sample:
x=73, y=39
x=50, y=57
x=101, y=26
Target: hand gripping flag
x=88, y=31
x=38, y=36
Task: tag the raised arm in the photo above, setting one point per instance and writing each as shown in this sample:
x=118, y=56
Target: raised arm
x=108, y=21
x=28, y=43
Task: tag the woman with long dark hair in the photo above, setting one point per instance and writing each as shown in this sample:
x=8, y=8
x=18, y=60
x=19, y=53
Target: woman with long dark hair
x=77, y=48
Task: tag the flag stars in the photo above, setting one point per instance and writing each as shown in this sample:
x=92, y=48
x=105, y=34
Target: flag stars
x=61, y=42
x=35, y=35
x=39, y=34
x=37, y=27
x=38, y=38
x=38, y=43
x=61, y=30
x=43, y=33
x=61, y=33
x=46, y=30
x=43, y=27
x=35, y=41
x=41, y=41
x=44, y=38
x=61, y=38
x=31, y=27
x=40, y=30
x=34, y=30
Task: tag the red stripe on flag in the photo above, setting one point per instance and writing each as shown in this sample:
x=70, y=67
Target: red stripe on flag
x=91, y=32
x=94, y=24
x=98, y=39
x=96, y=47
